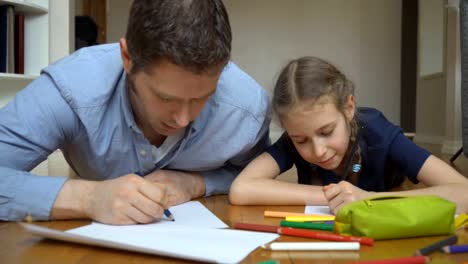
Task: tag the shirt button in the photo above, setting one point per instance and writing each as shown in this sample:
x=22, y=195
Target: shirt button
x=143, y=152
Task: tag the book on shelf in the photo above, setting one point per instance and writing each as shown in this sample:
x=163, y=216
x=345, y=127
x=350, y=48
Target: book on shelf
x=19, y=43
x=11, y=40
x=3, y=38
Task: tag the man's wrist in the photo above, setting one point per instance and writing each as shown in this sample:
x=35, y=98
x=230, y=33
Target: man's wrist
x=73, y=200
x=199, y=186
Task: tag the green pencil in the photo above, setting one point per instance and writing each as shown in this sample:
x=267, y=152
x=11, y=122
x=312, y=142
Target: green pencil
x=307, y=225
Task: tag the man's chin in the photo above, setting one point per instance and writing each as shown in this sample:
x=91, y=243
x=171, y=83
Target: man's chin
x=168, y=131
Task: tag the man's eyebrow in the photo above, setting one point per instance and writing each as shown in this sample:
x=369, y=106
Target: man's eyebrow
x=178, y=98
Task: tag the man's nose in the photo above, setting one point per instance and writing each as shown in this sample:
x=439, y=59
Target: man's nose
x=182, y=116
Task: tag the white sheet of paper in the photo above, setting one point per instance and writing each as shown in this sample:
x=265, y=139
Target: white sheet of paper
x=201, y=244
x=194, y=235
x=317, y=209
x=193, y=213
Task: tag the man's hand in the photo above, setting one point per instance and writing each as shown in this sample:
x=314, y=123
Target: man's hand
x=181, y=186
x=341, y=194
x=129, y=199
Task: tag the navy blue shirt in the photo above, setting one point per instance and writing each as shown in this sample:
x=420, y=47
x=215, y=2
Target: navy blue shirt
x=387, y=156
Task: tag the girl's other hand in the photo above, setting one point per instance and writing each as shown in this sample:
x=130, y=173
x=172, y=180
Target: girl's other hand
x=342, y=193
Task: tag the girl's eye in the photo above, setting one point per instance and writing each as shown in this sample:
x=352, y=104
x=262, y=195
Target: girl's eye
x=327, y=133
x=301, y=141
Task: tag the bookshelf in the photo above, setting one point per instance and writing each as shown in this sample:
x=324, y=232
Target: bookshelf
x=36, y=46
x=29, y=7
x=48, y=36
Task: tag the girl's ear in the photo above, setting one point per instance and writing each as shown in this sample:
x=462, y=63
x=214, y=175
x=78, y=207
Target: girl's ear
x=350, y=107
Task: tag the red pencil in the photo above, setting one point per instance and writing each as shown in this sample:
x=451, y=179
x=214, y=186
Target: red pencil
x=304, y=233
x=406, y=260
x=324, y=235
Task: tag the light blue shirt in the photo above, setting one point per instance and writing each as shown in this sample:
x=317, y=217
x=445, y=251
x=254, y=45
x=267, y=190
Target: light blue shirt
x=80, y=105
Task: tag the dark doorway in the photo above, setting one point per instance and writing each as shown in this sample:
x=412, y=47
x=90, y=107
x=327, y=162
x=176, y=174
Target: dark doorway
x=409, y=60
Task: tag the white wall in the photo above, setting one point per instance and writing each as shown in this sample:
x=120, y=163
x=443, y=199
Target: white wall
x=362, y=37
x=431, y=37
x=61, y=29
x=117, y=18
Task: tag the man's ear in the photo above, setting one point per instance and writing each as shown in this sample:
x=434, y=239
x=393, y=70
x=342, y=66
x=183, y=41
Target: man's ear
x=127, y=61
x=350, y=107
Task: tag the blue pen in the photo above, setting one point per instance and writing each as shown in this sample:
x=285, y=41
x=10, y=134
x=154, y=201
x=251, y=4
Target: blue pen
x=167, y=213
x=455, y=249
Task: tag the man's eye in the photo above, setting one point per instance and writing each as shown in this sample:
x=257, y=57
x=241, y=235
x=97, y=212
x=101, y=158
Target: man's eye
x=165, y=99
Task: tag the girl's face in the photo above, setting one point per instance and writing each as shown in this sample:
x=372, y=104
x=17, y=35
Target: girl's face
x=320, y=132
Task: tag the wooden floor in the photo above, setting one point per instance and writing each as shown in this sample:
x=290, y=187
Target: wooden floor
x=460, y=164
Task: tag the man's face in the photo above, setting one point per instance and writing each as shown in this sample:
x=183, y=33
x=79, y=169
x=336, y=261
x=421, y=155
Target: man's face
x=166, y=98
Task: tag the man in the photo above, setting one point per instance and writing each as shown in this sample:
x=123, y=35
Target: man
x=166, y=104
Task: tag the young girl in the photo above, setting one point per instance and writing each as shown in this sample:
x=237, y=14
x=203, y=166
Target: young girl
x=352, y=152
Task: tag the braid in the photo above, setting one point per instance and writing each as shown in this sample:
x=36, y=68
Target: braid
x=357, y=160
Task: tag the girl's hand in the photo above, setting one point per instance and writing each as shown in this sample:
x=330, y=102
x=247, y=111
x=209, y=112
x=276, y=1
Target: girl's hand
x=341, y=194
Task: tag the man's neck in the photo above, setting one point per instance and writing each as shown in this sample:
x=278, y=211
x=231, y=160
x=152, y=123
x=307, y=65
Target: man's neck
x=157, y=140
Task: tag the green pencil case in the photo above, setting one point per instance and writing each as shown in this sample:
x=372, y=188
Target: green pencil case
x=392, y=217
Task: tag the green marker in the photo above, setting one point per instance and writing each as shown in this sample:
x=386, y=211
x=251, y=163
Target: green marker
x=268, y=262
x=307, y=225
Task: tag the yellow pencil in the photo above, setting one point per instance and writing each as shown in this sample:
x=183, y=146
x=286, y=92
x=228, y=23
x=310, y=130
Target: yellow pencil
x=284, y=214
x=461, y=220
x=310, y=218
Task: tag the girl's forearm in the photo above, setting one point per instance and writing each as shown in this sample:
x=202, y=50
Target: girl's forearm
x=275, y=192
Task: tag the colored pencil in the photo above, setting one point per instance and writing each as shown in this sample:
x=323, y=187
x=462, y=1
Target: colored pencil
x=256, y=227
x=307, y=225
x=284, y=214
x=455, y=249
x=324, y=235
x=304, y=233
x=312, y=246
x=270, y=261
x=436, y=246
x=461, y=220
x=406, y=260
x=313, y=218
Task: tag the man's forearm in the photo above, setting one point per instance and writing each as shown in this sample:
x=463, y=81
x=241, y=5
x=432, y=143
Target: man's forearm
x=219, y=181
x=197, y=188
x=72, y=199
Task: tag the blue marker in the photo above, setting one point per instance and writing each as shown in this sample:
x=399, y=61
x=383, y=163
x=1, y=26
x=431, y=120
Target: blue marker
x=169, y=215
